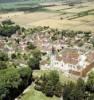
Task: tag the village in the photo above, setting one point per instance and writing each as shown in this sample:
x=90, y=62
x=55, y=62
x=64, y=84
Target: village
x=66, y=54
x=46, y=49
x=67, y=51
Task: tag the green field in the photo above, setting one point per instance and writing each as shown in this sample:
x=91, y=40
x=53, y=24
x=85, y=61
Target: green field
x=33, y=94
x=22, y=5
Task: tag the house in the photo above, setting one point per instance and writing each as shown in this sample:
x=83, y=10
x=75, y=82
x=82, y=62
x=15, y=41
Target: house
x=90, y=57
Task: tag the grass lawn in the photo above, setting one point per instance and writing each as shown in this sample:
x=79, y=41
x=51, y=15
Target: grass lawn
x=33, y=94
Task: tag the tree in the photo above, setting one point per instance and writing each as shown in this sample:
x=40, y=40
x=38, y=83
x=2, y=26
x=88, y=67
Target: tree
x=49, y=84
x=87, y=34
x=90, y=82
x=36, y=53
x=9, y=83
x=91, y=97
x=7, y=22
x=58, y=89
x=79, y=91
x=3, y=92
x=8, y=30
x=92, y=41
x=67, y=90
x=3, y=65
x=74, y=92
x=3, y=56
x=13, y=81
x=54, y=77
x=13, y=56
x=49, y=89
x=25, y=75
x=30, y=46
x=80, y=84
x=34, y=61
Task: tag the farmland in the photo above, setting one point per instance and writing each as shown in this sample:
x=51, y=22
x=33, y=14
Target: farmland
x=12, y=5
x=61, y=16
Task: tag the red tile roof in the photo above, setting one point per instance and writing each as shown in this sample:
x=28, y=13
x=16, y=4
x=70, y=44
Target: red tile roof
x=70, y=56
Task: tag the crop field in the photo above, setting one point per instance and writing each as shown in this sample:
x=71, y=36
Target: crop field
x=61, y=16
x=12, y=5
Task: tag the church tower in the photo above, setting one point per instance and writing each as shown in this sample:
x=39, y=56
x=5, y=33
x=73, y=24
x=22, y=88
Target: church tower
x=52, y=57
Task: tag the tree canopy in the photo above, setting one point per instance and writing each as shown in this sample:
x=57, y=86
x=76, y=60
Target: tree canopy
x=49, y=84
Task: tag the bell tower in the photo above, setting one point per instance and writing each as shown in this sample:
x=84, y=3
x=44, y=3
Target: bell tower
x=52, y=57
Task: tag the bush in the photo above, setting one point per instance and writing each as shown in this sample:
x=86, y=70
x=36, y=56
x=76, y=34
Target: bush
x=7, y=22
x=38, y=87
x=25, y=75
x=33, y=63
x=3, y=56
x=49, y=89
x=3, y=65
x=30, y=46
x=13, y=56
x=8, y=30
